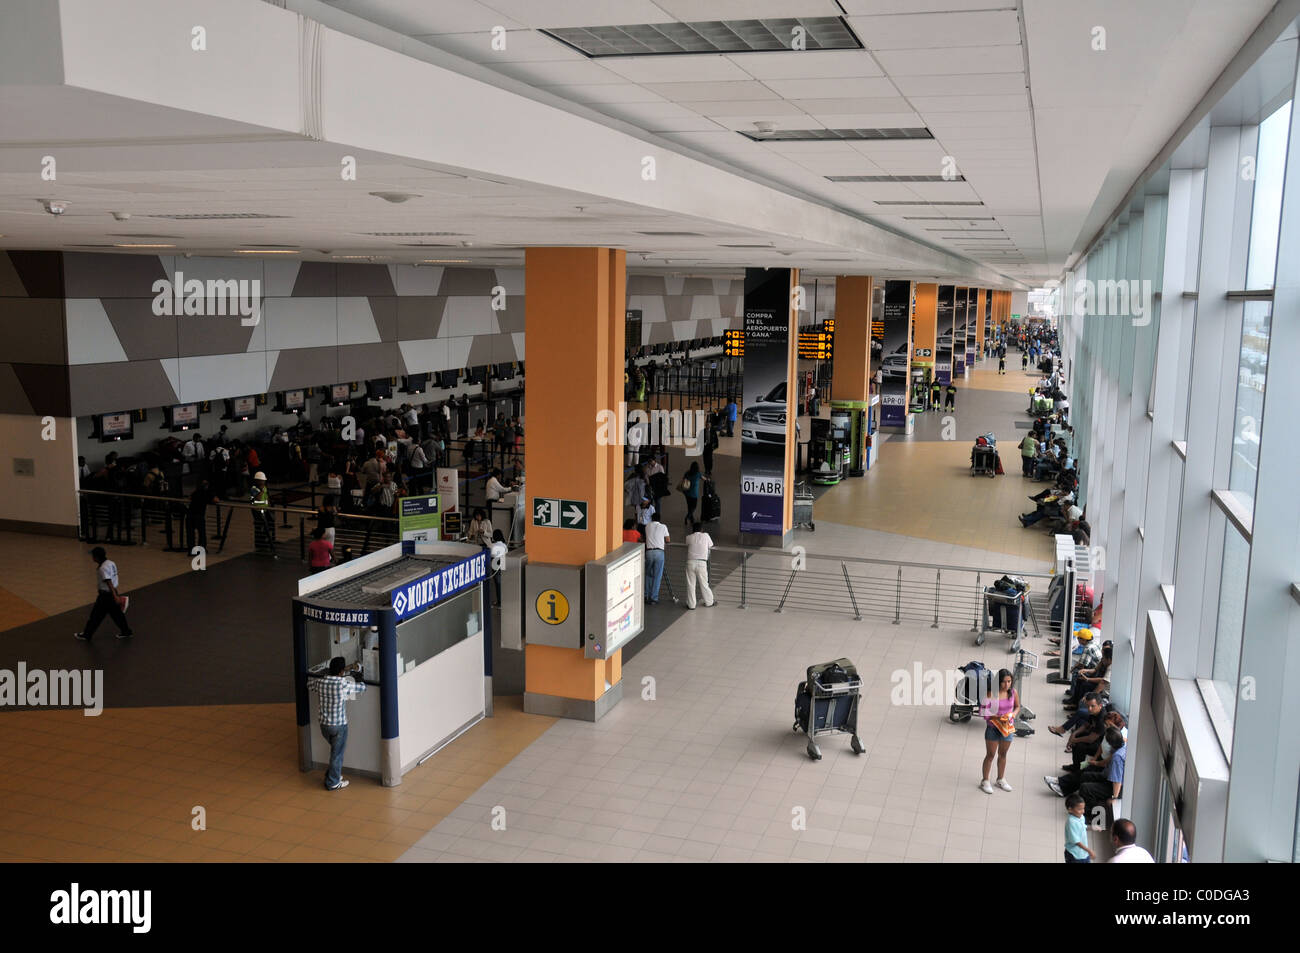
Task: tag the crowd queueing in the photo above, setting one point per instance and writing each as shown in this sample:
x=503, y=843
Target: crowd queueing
x=647, y=485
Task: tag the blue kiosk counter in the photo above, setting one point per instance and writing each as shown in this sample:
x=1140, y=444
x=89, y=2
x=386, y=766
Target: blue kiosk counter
x=413, y=616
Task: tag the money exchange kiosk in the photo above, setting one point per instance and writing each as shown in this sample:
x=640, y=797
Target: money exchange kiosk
x=416, y=617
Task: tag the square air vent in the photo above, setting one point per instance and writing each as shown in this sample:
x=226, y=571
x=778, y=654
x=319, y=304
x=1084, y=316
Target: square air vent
x=710, y=36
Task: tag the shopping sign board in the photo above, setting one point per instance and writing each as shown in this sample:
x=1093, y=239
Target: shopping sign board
x=559, y=514
x=419, y=519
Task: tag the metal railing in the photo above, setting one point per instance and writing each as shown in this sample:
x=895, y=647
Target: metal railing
x=131, y=518
x=858, y=587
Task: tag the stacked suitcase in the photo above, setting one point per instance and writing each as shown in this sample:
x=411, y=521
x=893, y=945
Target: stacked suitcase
x=827, y=701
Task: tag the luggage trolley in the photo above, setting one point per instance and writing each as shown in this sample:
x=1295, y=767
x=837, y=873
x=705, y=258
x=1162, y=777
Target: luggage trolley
x=803, y=507
x=1004, y=611
x=976, y=684
x=828, y=702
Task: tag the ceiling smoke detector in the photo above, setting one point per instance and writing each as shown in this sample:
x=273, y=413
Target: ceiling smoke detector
x=765, y=126
x=397, y=198
x=121, y=216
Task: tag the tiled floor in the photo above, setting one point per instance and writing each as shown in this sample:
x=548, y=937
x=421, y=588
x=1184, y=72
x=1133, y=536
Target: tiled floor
x=123, y=786
x=705, y=767
x=710, y=769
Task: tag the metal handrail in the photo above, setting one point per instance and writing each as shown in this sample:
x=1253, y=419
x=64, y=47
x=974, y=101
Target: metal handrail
x=833, y=557
x=946, y=596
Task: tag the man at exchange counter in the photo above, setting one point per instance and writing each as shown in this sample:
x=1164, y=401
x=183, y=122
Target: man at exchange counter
x=332, y=692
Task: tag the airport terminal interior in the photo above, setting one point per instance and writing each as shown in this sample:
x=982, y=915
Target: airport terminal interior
x=535, y=431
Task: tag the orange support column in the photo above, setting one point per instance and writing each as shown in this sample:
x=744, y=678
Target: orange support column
x=851, y=350
x=574, y=321
x=981, y=304
x=927, y=326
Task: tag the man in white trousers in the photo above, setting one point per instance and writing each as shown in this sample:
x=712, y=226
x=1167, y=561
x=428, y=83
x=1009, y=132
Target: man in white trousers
x=698, y=544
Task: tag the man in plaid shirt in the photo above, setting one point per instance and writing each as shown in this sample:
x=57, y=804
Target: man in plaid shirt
x=333, y=692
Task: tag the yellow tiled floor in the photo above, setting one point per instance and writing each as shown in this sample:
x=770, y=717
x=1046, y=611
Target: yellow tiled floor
x=123, y=787
x=924, y=488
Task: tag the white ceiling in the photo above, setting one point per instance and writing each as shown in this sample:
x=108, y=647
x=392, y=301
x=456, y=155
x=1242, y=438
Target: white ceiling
x=1047, y=133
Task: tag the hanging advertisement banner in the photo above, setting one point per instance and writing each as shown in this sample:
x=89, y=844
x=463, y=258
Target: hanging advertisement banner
x=959, y=332
x=943, y=342
x=448, y=489
x=896, y=366
x=766, y=424
x=972, y=315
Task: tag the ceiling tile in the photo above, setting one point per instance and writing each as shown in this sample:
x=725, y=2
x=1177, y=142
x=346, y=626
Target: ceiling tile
x=969, y=84
x=839, y=88
x=918, y=31
x=713, y=92
x=807, y=64
x=684, y=68
x=923, y=62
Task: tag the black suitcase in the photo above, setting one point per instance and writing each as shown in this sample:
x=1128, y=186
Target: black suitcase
x=802, y=706
x=710, y=504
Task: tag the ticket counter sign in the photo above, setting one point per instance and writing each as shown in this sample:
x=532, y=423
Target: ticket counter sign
x=419, y=518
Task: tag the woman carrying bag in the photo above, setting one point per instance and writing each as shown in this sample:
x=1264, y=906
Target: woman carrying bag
x=690, y=487
x=999, y=711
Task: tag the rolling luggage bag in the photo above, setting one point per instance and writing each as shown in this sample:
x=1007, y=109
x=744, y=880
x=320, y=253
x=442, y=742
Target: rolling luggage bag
x=710, y=503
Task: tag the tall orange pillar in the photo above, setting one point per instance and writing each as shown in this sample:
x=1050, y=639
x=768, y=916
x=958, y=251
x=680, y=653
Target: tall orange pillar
x=981, y=304
x=574, y=319
x=851, y=349
x=926, y=326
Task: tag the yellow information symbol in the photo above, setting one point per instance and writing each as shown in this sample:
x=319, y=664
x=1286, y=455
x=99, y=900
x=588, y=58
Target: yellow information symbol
x=552, y=607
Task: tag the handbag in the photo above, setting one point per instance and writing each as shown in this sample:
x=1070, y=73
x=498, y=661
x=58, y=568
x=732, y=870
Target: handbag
x=685, y=485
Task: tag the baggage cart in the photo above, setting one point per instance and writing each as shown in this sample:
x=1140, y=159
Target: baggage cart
x=827, y=701
x=1004, y=611
x=983, y=461
x=803, y=507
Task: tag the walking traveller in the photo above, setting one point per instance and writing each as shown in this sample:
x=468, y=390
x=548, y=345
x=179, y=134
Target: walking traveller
x=936, y=394
x=698, y=545
x=108, y=601
x=656, y=538
x=333, y=692
x=690, y=487
x=950, y=398
x=999, y=711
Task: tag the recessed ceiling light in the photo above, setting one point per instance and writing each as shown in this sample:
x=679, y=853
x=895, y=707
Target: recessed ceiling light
x=140, y=245
x=396, y=198
x=265, y=251
x=444, y=261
